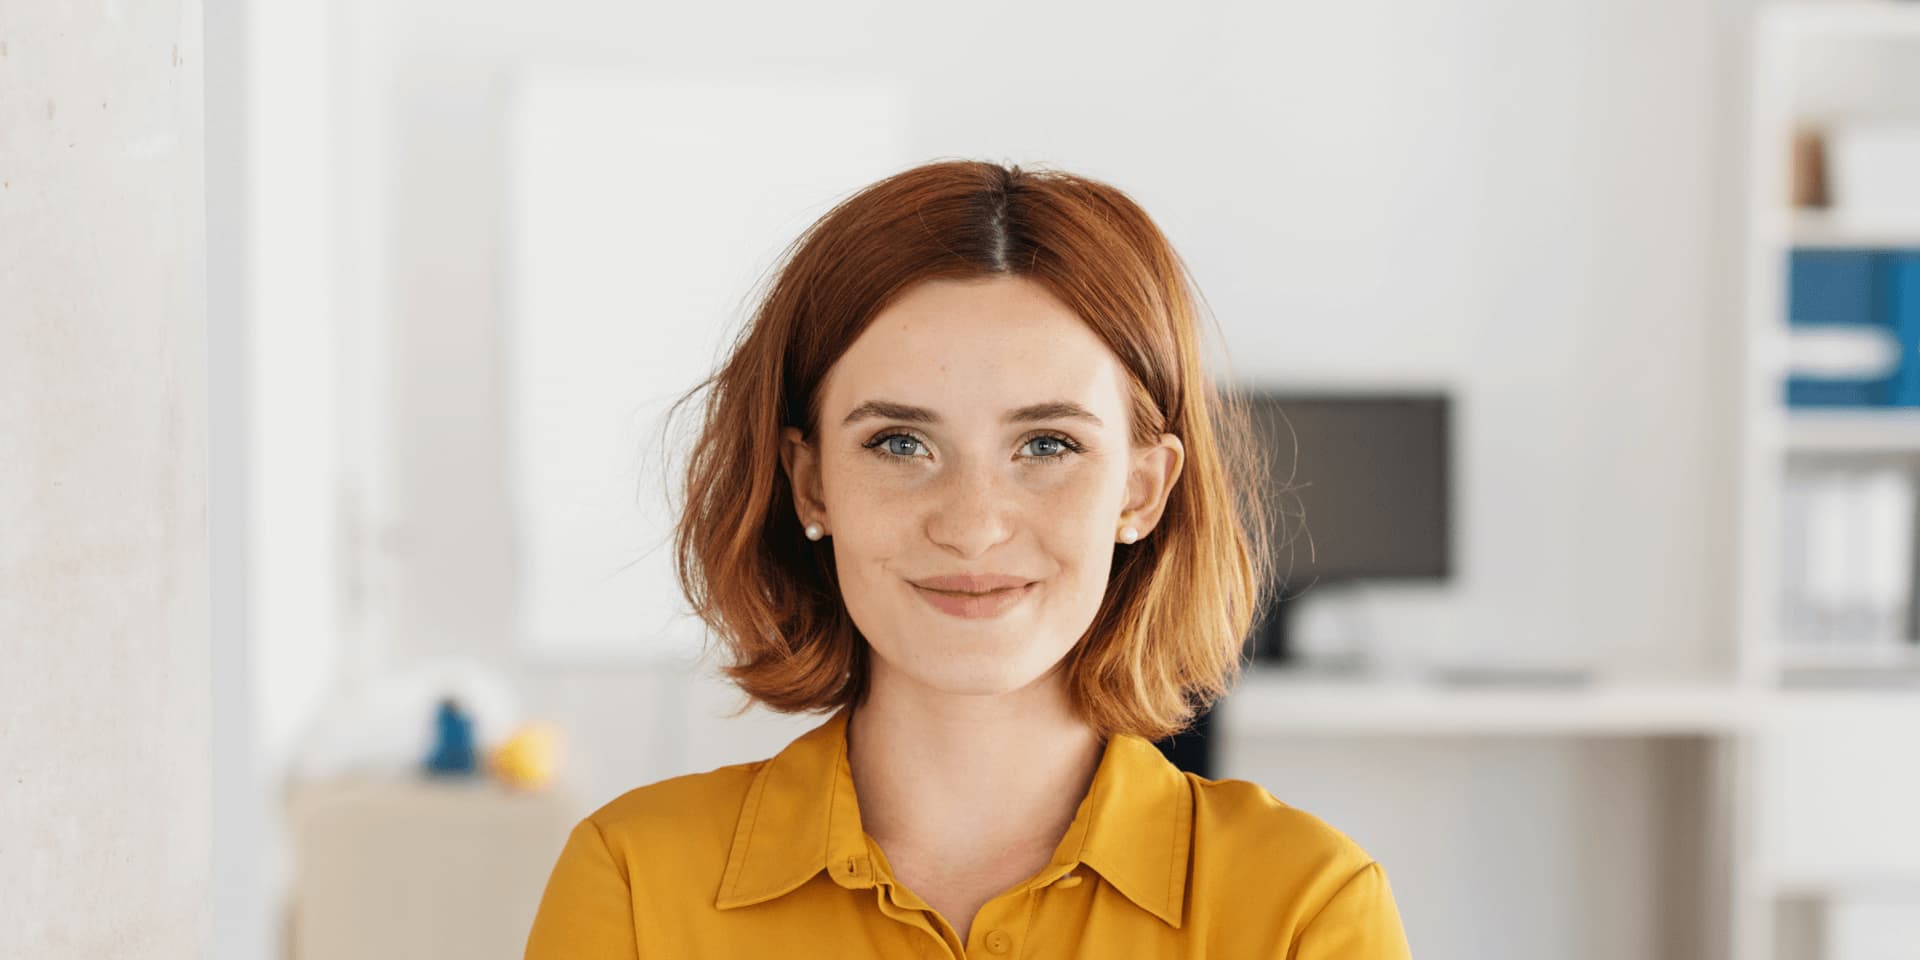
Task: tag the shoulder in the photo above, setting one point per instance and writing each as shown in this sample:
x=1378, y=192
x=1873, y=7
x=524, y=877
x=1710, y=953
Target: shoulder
x=1321, y=893
x=1254, y=855
x=691, y=815
x=654, y=850
x=1240, y=825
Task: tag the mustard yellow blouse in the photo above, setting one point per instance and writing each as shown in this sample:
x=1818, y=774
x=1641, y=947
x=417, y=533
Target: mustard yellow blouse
x=768, y=859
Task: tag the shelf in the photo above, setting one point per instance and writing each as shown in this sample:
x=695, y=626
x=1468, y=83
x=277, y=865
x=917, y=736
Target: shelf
x=1889, y=430
x=1821, y=230
x=1866, y=19
x=1872, y=663
x=1269, y=703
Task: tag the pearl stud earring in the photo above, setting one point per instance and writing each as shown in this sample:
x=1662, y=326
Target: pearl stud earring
x=1129, y=534
x=813, y=531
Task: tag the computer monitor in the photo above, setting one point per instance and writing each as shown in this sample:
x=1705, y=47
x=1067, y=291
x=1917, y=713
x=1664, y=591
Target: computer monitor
x=1360, y=489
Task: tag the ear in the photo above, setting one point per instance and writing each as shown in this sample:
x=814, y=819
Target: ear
x=1150, y=480
x=802, y=465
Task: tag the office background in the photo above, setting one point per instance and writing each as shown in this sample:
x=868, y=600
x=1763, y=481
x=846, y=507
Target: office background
x=456, y=256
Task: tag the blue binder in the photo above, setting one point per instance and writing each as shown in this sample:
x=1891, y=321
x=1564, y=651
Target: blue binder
x=1834, y=286
x=1857, y=287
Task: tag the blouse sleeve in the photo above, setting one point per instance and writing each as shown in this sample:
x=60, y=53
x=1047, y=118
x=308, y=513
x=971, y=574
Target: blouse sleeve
x=1360, y=922
x=586, y=912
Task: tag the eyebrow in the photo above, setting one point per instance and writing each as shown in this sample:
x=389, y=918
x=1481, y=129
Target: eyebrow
x=1032, y=413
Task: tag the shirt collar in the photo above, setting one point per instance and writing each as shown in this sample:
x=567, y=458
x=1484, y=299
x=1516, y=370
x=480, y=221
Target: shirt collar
x=800, y=816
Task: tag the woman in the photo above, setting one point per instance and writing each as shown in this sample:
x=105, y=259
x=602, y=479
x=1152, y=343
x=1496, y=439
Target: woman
x=964, y=483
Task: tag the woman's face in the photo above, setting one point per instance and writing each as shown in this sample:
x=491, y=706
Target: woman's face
x=974, y=470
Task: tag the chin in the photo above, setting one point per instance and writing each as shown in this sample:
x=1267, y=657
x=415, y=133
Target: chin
x=963, y=675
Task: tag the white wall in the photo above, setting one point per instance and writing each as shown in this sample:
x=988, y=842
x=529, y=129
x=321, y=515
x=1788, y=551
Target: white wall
x=104, y=600
x=1517, y=201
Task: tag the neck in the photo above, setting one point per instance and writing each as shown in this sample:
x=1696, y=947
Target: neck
x=961, y=778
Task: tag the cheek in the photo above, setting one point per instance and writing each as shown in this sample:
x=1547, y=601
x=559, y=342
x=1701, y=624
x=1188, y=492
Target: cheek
x=867, y=513
x=874, y=540
x=1078, y=531
x=1091, y=502
x=1079, y=522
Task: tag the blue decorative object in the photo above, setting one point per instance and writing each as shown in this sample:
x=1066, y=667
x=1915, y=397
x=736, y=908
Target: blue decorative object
x=453, y=750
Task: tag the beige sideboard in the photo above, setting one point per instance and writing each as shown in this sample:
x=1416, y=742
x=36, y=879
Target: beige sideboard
x=419, y=869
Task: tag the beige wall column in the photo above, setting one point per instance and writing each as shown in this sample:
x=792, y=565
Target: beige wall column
x=104, y=600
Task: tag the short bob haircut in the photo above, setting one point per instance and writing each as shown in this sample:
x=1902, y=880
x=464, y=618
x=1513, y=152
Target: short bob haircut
x=1168, y=639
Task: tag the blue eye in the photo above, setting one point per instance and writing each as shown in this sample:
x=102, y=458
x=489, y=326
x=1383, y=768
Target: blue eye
x=893, y=446
x=900, y=449
x=1062, y=444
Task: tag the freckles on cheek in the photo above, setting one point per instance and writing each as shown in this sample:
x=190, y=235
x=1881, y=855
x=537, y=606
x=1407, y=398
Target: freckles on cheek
x=1079, y=521
x=871, y=522
x=853, y=491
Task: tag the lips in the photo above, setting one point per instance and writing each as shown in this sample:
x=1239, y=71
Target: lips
x=972, y=582
x=974, y=596
x=976, y=606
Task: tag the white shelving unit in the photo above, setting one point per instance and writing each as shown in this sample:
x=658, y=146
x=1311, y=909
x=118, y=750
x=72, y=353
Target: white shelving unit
x=1827, y=774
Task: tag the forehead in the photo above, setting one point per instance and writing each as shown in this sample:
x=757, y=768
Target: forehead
x=973, y=349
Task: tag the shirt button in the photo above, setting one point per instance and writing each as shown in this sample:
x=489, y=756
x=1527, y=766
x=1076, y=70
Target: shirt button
x=998, y=941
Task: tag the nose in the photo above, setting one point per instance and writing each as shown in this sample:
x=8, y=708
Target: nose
x=972, y=511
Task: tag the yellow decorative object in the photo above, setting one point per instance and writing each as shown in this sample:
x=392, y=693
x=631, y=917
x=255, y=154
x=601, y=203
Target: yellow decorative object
x=527, y=759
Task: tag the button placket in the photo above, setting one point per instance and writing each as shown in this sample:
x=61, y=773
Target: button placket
x=1001, y=925
x=919, y=921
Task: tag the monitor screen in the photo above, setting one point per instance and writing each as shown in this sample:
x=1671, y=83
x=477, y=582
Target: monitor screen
x=1360, y=485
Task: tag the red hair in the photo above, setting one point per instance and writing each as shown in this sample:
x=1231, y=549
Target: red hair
x=1169, y=636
